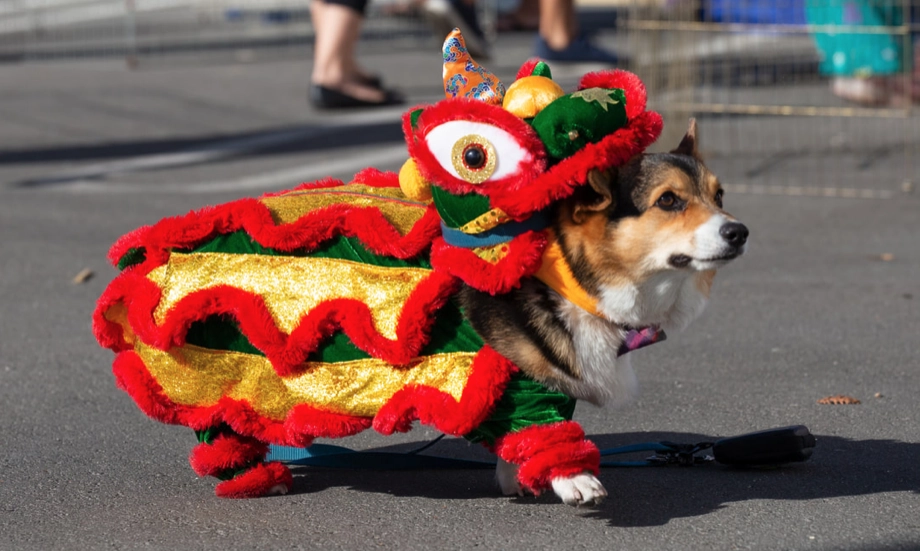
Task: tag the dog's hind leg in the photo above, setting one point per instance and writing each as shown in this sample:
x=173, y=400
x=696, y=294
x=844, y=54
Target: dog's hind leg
x=239, y=462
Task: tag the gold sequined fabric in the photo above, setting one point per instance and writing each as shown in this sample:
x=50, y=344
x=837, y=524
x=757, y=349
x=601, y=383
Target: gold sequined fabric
x=290, y=286
x=196, y=376
x=400, y=211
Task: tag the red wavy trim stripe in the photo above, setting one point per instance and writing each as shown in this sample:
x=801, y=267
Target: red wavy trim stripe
x=524, y=257
x=368, y=224
x=490, y=373
x=140, y=297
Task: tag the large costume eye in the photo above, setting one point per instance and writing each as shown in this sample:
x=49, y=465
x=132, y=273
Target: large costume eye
x=476, y=152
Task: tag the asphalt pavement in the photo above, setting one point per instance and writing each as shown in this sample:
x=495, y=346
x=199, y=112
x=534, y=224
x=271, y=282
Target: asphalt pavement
x=825, y=302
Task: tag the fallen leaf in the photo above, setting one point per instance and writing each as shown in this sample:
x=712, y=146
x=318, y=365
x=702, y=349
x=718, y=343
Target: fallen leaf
x=85, y=275
x=839, y=400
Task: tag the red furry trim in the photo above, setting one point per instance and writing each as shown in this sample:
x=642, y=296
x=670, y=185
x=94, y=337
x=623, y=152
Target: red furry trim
x=524, y=257
x=631, y=85
x=228, y=451
x=374, y=177
x=465, y=109
x=489, y=375
x=546, y=452
x=368, y=224
x=305, y=422
x=126, y=242
x=527, y=68
x=257, y=482
x=562, y=179
x=286, y=352
x=318, y=184
x=131, y=375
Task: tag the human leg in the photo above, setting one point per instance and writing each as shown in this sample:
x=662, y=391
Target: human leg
x=338, y=80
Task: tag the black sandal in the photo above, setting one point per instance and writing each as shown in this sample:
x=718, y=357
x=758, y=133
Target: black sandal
x=323, y=97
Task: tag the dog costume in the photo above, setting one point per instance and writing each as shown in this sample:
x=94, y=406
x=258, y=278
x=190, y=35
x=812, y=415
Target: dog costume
x=329, y=309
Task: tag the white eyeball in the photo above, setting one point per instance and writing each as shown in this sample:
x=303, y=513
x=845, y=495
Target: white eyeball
x=476, y=152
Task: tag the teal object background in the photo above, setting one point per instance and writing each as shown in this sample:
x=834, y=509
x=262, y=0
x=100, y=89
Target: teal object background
x=853, y=53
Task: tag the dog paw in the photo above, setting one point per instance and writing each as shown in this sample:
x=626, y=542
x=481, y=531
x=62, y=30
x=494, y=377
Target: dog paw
x=580, y=489
x=278, y=490
x=506, y=475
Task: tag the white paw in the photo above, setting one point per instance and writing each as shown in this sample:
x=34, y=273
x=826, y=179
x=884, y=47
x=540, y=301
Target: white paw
x=506, y=475
x=277, y=490
x=581, y=489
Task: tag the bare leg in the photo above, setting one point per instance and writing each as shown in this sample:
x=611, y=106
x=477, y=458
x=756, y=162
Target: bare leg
x=558, y=25
x=337, y=30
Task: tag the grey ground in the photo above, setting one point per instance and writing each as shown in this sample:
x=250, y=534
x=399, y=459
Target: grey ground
x=812, y=310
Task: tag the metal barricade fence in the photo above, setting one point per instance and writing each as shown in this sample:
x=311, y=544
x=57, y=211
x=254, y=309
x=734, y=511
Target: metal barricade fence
x=765, y=79
x=138, y=29
x=750, y=70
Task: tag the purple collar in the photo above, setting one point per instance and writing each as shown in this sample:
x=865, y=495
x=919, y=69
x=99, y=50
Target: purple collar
x=640, y=338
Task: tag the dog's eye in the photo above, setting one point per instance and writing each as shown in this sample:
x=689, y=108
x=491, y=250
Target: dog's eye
x=718, y=198
x=669, y=201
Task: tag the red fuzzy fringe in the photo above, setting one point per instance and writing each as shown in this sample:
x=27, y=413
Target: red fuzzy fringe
x=258, y=481
x=466, y=109
x=524, y=257
x=485, y=385
x=228, y=451
x=489, y=375
x=197, y=227
x=561, y=180
x=547, y=452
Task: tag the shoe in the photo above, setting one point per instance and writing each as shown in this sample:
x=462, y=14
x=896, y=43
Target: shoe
x=323, y=97
x=580, y=50
x=374, y=81
x=443, y=16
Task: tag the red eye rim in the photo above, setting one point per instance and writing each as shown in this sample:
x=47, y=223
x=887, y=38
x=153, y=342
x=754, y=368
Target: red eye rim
x=482, y=151
x=464, y=109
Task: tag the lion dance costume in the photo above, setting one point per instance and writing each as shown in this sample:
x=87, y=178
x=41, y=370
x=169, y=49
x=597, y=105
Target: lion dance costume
x=328, y=309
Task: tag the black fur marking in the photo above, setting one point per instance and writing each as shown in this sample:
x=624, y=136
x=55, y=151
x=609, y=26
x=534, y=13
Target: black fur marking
x=526, y=315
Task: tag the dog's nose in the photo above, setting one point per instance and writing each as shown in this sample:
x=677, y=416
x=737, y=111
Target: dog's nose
x=735, y=233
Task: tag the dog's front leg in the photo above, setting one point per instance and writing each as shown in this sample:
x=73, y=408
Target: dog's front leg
x=556, y=456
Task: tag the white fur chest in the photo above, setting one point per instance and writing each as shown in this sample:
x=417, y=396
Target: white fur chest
x=671, y=299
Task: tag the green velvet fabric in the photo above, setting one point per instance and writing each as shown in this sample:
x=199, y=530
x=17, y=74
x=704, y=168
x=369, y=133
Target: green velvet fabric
x=525, y=403
x=345, y=248
x=134, y=256
x=541, y=69
x=569, y=123
x=413, y=117
x=457, y=210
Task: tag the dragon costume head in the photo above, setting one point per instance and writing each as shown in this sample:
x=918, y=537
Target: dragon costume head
x=493, y=159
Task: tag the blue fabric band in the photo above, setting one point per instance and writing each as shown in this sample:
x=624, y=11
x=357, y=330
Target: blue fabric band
x=501, y=234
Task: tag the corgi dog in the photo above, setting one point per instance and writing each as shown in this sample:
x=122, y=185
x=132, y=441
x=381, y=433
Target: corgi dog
x=526, y=244
x=644, y=242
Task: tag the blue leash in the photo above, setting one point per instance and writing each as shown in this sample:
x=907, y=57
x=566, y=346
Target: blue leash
x=339, y=457
x=770, y=447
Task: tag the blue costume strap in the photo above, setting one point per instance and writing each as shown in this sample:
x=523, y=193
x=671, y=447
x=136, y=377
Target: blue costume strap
x=500, y=234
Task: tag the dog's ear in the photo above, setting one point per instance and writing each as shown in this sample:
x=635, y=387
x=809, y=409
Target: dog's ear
x=688, y=144
x=598, y=198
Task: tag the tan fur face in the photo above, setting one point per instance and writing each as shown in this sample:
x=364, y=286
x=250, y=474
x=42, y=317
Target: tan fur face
x=664, y=223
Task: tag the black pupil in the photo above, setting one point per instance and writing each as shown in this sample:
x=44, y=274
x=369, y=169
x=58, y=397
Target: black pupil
x=474, y=156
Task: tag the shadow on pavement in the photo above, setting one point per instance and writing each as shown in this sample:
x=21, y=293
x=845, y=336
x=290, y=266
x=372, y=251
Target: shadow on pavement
x=654, y=496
